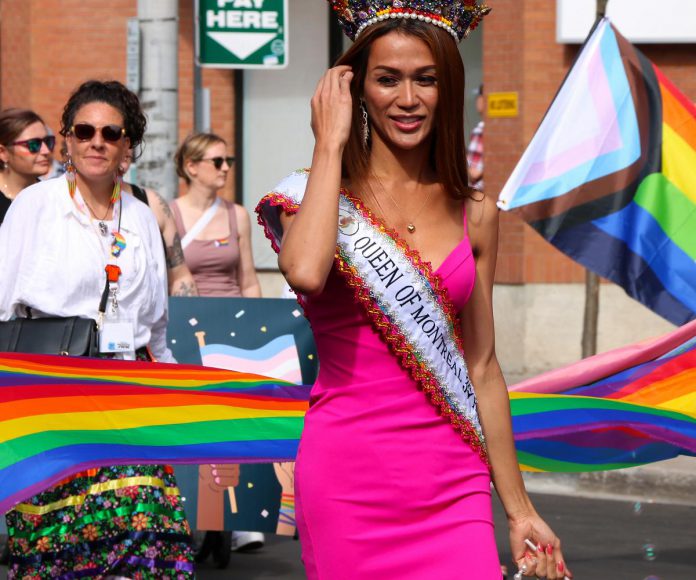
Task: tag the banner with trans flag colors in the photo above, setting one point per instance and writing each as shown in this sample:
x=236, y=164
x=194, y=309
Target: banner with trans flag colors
x=623, y=408
x=251, y=335
x=278, y=358
x=609, y=176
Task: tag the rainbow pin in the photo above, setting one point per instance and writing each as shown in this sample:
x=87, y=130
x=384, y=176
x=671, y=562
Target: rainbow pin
x=118, y=244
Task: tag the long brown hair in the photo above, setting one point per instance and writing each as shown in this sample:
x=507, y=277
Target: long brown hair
x=448, y=153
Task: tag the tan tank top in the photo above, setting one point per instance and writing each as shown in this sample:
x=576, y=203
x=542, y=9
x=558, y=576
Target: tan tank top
x=213, y=263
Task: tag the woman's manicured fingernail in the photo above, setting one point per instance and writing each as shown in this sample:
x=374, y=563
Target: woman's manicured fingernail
x=549, y=549
x=560, y=566
x=540, y=548
x=217, y=480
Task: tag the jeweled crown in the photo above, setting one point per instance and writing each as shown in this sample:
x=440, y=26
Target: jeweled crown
x=458, y=17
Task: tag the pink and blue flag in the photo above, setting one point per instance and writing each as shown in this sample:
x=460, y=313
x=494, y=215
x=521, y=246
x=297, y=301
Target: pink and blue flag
x=278, y=359
x=609, y=176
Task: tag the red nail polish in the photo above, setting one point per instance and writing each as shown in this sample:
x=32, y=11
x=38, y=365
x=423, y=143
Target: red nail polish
x=560, y=567
x=549, y=549
x=540, y=548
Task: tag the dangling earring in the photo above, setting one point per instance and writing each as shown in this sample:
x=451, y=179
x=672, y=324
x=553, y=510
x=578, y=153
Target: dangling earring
x=365, y=124
x=70, y=175
x=116, y=192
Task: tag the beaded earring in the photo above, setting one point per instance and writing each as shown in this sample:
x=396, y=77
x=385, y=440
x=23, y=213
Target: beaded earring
x=70, y=175
x=116, y=192
x=365, y=124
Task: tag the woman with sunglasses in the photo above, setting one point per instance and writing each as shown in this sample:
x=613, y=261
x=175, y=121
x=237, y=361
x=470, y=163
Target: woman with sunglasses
x=25, y=153
x=216, y=240
x=68, y=236
x=215, y=234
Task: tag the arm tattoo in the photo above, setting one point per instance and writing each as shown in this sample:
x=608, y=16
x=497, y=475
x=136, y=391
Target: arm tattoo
x=164, y=205
x=174, y=253
x=185, y=289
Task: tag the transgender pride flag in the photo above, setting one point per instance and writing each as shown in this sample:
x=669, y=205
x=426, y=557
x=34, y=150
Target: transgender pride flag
x=277, y=359
x=610, y=176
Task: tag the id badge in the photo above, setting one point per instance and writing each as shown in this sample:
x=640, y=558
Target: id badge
x=116, y=337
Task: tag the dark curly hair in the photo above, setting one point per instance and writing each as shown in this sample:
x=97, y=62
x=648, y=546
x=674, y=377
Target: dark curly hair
x=118, y=96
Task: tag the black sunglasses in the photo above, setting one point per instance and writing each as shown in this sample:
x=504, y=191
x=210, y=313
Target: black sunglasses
x=86, y=132
x=34, y=145
x=218, y=161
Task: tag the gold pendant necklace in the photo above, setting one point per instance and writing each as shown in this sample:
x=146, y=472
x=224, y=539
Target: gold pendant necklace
x=410, y=225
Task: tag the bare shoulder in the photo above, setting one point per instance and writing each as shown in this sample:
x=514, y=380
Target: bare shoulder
x=158, y=204
x=482, y=215
x=241, y=214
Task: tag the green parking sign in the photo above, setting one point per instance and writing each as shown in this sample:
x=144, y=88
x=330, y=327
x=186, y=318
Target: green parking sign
x=242, y=33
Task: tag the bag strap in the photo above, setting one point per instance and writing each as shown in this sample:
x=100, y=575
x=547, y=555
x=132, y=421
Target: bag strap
x=14, y=336
x=139, y=193
x=67, y=335
x=199, y=226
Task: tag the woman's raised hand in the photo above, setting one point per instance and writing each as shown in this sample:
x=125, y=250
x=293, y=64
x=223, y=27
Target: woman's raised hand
x=332, y=107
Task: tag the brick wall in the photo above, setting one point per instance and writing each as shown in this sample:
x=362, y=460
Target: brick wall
x=521, y=54
x=48, y=47
x=15, y=52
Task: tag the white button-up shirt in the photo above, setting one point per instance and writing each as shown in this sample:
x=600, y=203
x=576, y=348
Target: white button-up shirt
x=52, y=260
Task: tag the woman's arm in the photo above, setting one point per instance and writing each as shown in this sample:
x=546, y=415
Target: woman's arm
x=179, y=277
x=248, y=280
x=312, y=232
x=494, y=404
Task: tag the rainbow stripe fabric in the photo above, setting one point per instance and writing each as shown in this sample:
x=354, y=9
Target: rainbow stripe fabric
x=609, y=176
x=60, y=415
x=623, y=408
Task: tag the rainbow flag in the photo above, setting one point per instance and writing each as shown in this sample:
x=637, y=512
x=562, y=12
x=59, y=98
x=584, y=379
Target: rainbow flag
x=609, y=176
x=623, y=408
x=61, y=415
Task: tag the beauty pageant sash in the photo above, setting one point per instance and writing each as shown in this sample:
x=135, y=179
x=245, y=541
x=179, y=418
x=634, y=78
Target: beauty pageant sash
x=403, y=298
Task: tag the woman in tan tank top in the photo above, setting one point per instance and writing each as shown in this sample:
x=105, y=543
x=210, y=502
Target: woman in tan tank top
x=215, y=233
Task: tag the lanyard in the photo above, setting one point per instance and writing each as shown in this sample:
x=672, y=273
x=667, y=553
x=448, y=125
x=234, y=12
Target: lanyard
x=113, y=272
x=118, y=244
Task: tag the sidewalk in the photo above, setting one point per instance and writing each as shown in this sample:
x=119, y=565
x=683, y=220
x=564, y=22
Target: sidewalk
x=672, y=481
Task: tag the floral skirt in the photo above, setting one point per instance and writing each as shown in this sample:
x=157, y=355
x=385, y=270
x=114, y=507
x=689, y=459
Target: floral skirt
x=123, y=521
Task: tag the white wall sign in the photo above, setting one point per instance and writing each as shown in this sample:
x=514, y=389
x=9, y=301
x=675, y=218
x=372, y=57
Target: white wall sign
x=641, y=21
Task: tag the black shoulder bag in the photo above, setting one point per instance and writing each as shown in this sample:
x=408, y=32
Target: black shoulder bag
x=72, y=336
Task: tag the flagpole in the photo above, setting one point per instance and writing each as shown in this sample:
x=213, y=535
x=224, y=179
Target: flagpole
x=591, y=317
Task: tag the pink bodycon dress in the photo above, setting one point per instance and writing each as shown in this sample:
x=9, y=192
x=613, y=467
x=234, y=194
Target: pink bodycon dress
x=385, y=487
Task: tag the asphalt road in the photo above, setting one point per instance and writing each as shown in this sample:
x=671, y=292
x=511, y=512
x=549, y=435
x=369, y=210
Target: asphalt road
x=604, y=540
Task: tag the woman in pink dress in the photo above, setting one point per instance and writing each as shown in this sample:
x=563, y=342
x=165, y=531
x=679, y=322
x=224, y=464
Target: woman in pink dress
x=394, y=258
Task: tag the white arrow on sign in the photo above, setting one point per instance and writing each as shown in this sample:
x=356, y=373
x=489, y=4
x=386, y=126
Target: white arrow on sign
x=242, y=44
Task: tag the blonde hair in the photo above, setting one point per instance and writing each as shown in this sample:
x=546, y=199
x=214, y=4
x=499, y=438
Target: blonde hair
x=193, y=148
